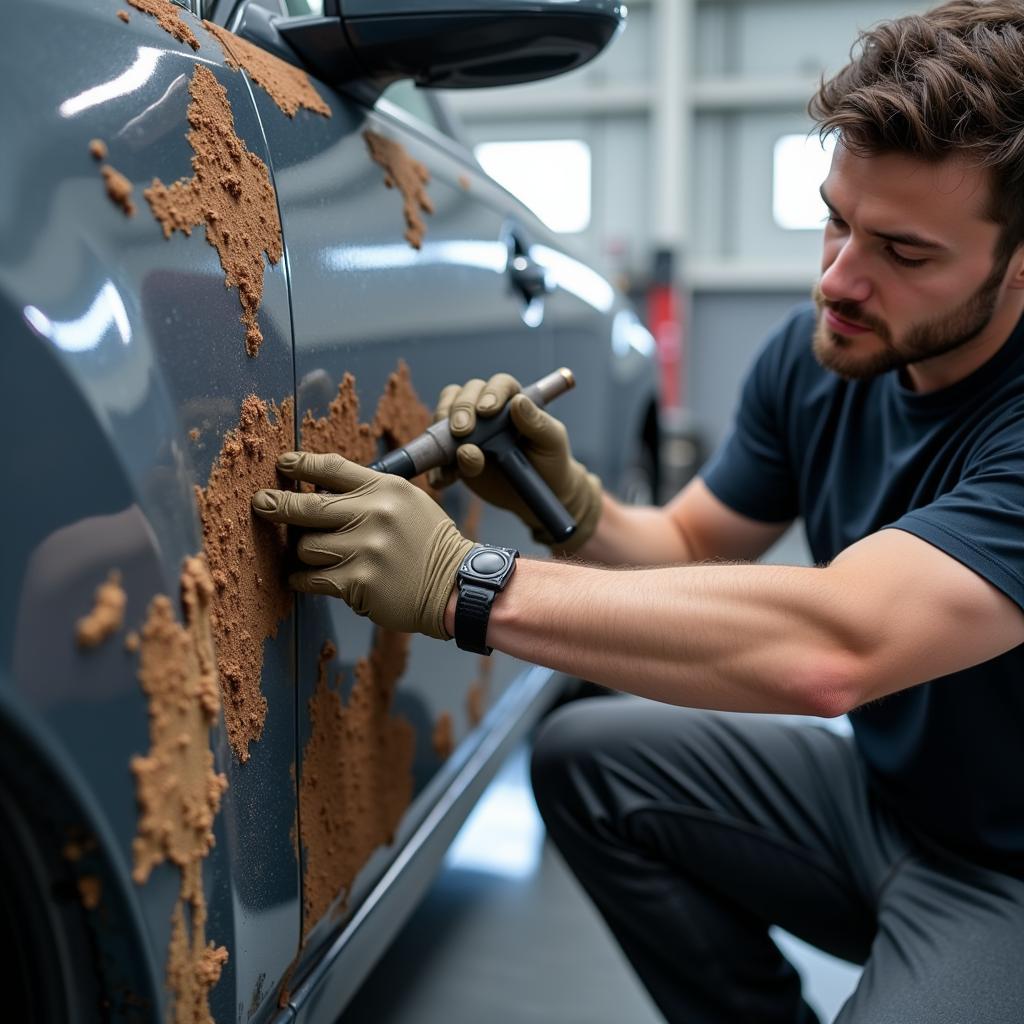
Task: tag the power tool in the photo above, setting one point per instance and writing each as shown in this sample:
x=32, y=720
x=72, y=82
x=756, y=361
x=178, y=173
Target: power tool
x=498, y=438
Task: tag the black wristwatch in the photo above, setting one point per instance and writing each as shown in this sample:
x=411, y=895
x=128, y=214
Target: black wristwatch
x=484, y=573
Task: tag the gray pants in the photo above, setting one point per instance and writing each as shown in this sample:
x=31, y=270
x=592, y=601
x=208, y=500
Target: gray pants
x=695, y=831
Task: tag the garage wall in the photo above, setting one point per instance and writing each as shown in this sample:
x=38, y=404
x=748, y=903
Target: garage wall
x=681, y=116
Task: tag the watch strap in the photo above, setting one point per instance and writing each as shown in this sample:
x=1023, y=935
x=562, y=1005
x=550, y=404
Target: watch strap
x=472, y=613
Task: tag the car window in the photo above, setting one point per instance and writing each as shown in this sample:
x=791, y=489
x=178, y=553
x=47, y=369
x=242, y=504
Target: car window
x=412, y=100
x=305, y=6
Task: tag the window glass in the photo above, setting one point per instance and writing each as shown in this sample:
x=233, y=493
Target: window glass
x=412, y=100
x=801, y=163
x=305, y=6
x=551, y=176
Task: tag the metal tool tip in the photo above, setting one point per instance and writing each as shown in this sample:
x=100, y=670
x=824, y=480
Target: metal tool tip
x=570, y=380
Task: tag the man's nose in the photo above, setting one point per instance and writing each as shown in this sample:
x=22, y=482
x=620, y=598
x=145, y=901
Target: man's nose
x=845, y=277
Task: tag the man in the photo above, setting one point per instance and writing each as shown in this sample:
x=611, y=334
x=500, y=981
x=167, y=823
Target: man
x=890, y=417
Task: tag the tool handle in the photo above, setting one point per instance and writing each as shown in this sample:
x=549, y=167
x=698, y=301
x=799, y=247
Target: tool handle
x=530, y=486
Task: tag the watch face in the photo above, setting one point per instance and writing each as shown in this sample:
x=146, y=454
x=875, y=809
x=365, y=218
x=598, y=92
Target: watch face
x=489, y=566
x=488, y=563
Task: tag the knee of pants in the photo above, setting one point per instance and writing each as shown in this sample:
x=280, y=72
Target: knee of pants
x=563, y=745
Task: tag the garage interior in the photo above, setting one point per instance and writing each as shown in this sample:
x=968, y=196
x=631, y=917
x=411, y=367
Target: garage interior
x=683, y=136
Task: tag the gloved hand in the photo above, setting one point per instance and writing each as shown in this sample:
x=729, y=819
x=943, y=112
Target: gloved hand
x=545, y=442
x=379, y=543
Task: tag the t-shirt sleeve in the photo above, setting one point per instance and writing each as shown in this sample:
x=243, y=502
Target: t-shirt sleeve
x=980, y=521
x=752, y=472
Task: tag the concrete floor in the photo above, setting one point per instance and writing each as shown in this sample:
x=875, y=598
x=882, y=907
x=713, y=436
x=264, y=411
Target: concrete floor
x=506, y=935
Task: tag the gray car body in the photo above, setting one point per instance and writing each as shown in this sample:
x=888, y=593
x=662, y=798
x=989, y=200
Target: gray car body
x=115, y=344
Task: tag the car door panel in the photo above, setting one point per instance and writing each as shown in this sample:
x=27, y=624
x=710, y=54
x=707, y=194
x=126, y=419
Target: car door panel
x=129, y=367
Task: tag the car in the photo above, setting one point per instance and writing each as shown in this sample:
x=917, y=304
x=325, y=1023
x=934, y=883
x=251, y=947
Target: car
x=226, y=236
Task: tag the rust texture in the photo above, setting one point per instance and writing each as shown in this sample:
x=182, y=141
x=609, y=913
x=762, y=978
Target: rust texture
x=443, y=738
x=247, y=558
x=119, y=188
x=178, y=791
x=107, y=615
x=89, y=891
x=231, y=194
x=478, y=693
x=98, y=149
x=132, y=642
x=340, y=430
x=123, y=16
x=401, y=416
x=409, y=176
x=356, y=779
x=169, y=17
x=288, y=86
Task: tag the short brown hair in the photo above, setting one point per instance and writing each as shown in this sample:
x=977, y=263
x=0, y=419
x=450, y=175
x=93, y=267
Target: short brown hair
x=948, y=82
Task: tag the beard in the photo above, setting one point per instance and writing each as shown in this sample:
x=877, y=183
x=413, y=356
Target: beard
x=925, y=340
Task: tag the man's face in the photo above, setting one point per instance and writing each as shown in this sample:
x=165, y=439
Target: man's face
x=908, y=271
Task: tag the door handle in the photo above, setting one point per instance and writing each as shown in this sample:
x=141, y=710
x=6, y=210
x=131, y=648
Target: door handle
x=528, y=276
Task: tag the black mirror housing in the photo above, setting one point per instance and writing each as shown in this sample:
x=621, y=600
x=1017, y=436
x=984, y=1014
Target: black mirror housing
x=452, y=44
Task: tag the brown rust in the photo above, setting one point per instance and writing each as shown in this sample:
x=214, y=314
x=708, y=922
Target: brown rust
x=443, y=737
x=340, y=430
x=478, y=693
x=230, y=194
x=107, y=615
x=409, y=176
x=98, y=149
x=89, y=891
x=119, y=188
x=401, y=416
x=169, y=17
x=123, y=16
x=178, y=791
x=248, y=558
x=356, y=780
x=288, y=86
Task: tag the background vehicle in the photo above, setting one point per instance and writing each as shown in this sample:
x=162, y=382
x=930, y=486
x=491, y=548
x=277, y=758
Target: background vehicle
x=126, y=371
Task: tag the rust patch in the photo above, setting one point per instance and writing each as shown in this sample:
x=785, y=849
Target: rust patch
x=478, y=693
x=194, y=435
x=443, y=737
x=247, y=558
x=75, y=849
x=340, y=430
x=107, y=615
x=98, y=149
x=401, y=416
x=356, y=773
x=89, y=891
x=178, y=791
x=132, y=642
x=169, y=17
x=464, y=182
x=409, y=176
x=123, y=16
x=288, y=86
x=119, y=188
x=231, y=194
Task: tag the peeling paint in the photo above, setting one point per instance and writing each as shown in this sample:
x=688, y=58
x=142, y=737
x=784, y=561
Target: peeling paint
x=178, y=791
x=248, y=558
x=288, y=86
x=401, y=416
x=340, y=430
x=231, y=194
x=123, y=16
x=356, y=780
x=169, y=17
x=107, y=615
x=409, y=176
x=98, y=149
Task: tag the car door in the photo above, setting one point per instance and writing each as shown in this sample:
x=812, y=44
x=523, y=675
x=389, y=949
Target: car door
x=130, y=384
x=381, y=323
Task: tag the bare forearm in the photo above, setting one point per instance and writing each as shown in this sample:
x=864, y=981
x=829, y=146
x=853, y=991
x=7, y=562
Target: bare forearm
x=634, y=535
x=732, y=637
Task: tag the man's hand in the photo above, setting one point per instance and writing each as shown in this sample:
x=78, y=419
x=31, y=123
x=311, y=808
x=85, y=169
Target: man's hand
x=379, y=543
x=545, y=443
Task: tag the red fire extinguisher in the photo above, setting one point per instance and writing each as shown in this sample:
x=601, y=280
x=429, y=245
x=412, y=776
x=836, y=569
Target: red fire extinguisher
x=666, y=321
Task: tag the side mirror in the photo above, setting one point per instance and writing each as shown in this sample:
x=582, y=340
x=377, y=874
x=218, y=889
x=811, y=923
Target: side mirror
x=453, y=44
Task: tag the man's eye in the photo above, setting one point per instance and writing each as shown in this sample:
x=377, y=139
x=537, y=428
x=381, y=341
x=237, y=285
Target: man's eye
x=834, y=221
x=903, y=261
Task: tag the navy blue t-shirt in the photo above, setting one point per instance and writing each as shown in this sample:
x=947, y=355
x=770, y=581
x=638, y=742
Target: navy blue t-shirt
x=854, y=457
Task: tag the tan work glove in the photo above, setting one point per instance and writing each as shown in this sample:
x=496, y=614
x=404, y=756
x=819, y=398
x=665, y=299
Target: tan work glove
x=545, y=442
x=379, y=543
